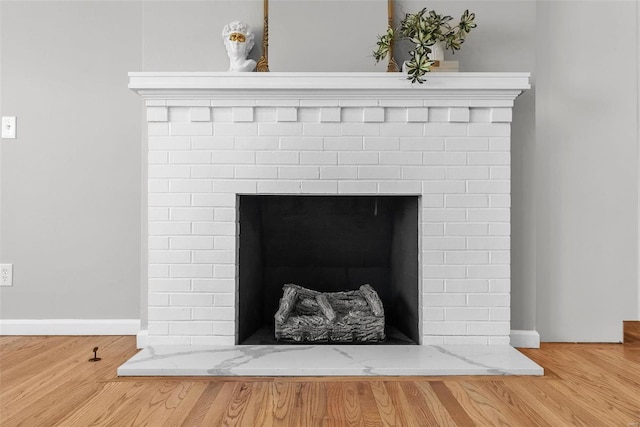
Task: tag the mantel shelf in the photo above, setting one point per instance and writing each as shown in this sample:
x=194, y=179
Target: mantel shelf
x=441, y=86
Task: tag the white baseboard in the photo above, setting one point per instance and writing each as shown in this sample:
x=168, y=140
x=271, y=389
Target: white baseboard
x=519, y=338
x=525, y=339
x=142, y=338
x=69, y=326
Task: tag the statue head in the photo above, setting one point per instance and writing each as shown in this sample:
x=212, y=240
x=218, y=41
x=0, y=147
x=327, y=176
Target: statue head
x=238, y=39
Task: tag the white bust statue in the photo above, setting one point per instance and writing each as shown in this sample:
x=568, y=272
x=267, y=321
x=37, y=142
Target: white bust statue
x=238, y=39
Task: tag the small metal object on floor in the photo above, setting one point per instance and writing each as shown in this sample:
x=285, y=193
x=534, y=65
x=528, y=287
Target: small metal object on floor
x=95, y=357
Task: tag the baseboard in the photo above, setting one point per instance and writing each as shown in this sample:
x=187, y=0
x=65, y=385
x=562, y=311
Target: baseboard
x=525, y=339
x=69, y=326
x=142, y=338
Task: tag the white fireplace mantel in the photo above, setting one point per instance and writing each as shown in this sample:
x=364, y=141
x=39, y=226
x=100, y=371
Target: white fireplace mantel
x=469, y=89
x=216, y=137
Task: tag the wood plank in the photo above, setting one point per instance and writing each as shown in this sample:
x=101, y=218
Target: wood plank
x=195, y=416
x=254, y=403
x=52, y=407
x=8, y=340
x=399, y=400
x=156, y=406
x=538, y=401
x=318, y=404
x=343, y=406
x=622, y=361
x=352, y=405
x=631, y=332
x=564, y=403
x=368, y=405
x=37, y=357
x=16, y=348
x=237, y=407
x=451, y=404
x=417, y=404
x=310, y=407
x=264, y=411
x=439, y=411
x=386, y=408
x=185, y=406
x=217, y=411
x=479, y=407
x=139, y=409
x=593, y=401
x=98, y=407
x=511, y=405
x=284, y=399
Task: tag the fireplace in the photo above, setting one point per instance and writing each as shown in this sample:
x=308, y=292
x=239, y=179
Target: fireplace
x=328, y=244
x=328, y=180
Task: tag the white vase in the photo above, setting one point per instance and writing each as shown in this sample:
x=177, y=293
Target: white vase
x=437, y=54
x=437, y=51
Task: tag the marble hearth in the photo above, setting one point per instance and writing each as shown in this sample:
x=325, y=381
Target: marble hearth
x=216, y=138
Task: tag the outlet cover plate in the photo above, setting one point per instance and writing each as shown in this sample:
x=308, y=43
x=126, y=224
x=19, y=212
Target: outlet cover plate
x=9, y=127
x=6, y=274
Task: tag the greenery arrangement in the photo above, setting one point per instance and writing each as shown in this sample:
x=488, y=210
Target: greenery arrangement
x=424, y=29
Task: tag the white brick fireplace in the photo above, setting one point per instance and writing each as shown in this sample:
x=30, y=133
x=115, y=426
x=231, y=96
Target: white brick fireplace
x=215, y=136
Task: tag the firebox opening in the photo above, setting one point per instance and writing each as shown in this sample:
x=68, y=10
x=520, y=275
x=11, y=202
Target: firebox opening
x=329, y=244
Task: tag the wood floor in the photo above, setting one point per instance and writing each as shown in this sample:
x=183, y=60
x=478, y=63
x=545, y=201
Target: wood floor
x=47, y=381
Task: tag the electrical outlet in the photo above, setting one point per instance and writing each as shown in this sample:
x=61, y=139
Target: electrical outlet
x=6, y=274
x=9, y=127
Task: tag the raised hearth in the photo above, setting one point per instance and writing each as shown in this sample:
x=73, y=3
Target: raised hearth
x=329, y=360
x=216, y=139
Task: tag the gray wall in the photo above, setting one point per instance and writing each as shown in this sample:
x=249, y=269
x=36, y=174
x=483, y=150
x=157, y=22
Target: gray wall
x=70, y=189
x=587, y=170
x=71, y=182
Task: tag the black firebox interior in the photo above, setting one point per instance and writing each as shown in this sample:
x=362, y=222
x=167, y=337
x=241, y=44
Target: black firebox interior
x=327, y=243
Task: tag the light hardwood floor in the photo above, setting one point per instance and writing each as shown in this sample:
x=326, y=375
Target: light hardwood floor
x=47, y=381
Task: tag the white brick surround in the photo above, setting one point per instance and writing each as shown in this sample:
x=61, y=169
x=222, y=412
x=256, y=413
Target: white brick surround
x=213, y=136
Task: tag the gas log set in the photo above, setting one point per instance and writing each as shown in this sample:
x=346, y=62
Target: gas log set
x=308, y=316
